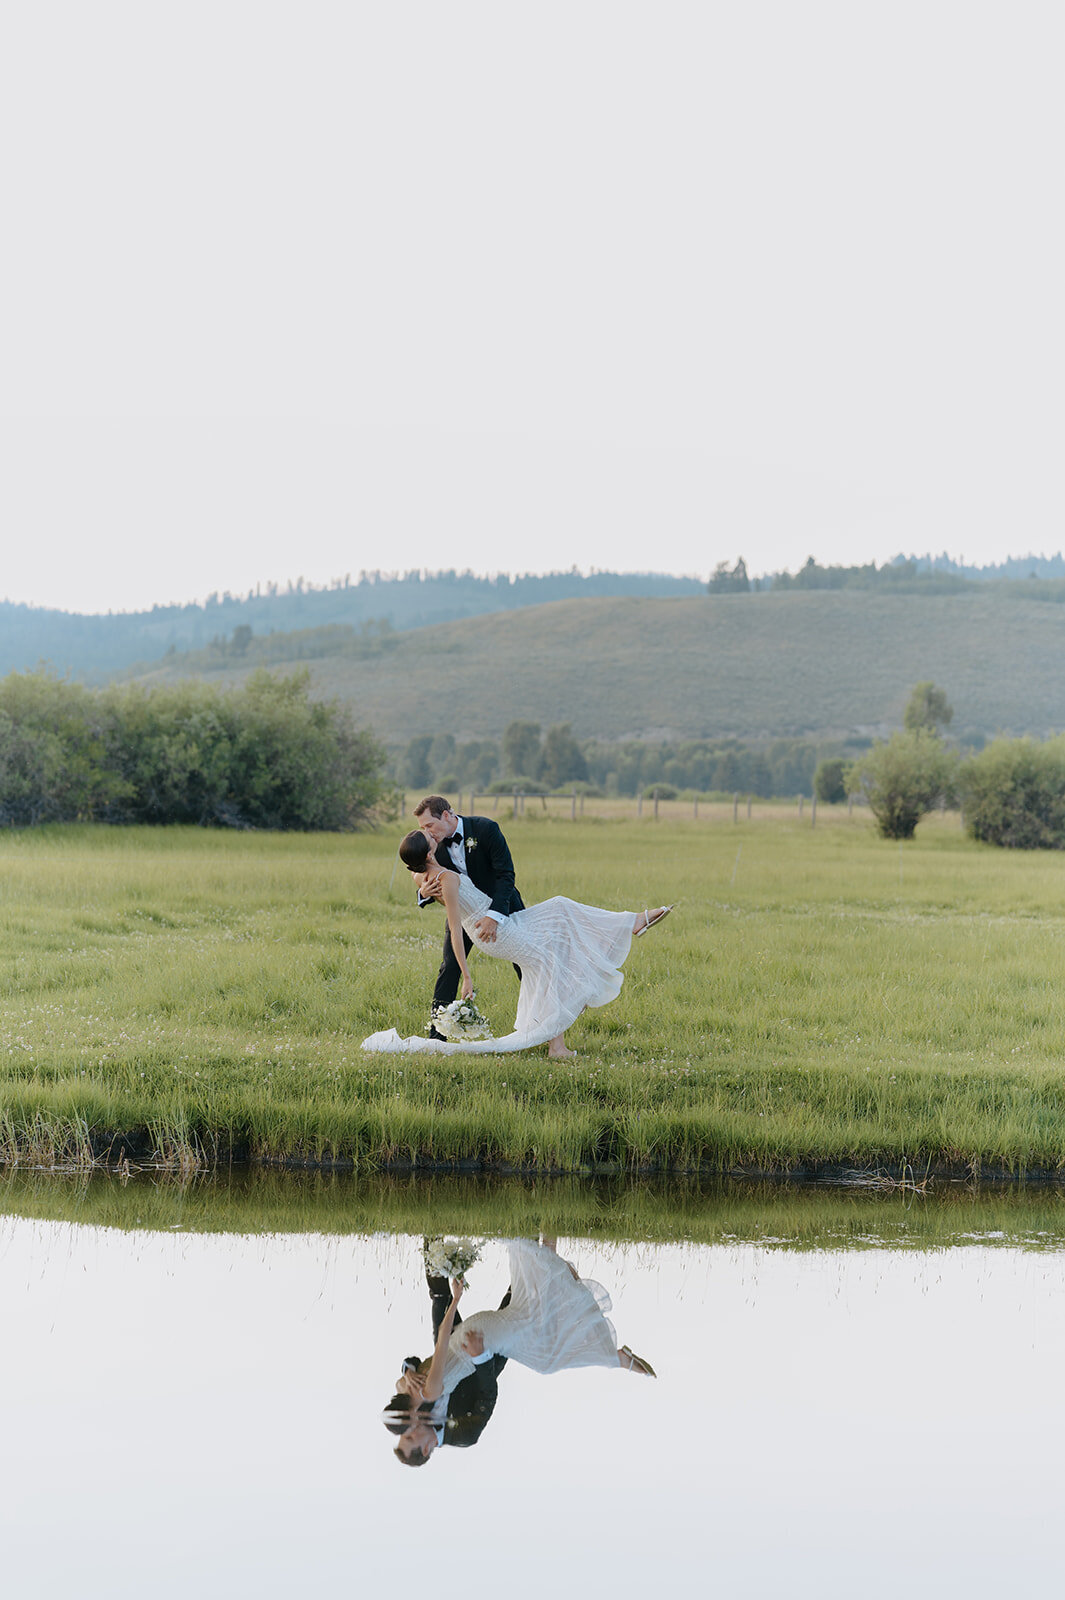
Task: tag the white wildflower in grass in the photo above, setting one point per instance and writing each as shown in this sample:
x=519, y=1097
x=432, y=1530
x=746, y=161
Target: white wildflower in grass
x=450, y=1258
x=461, y=1020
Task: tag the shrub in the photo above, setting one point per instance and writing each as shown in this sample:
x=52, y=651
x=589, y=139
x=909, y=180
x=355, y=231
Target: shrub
x=903, y=779
x=264, y=756
x=830, y=781
x=1013, y=793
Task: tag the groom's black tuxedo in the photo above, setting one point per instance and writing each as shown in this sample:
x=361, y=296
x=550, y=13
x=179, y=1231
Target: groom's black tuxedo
x=473, y=1399
x=491, y=868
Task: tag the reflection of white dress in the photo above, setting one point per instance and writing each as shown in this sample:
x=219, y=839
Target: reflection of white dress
x=569, y=955
x=554, y=1321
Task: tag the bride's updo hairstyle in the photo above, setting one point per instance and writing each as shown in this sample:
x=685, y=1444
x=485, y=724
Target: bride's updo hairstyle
x=414, y=851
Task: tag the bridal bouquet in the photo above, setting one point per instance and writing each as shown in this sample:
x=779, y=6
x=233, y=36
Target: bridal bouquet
x=450, y=1258
x=461, y=1020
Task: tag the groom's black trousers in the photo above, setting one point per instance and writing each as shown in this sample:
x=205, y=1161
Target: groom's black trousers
x=450, y=975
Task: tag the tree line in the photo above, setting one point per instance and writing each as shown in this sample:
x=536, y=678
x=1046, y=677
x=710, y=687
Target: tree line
x=106, y=644
x=262, y=756
x=913, y=574
x=538, y=761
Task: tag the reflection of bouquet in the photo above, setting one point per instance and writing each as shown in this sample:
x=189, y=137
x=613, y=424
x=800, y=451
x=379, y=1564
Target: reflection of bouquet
x=450, y=1258
x=461, y=1020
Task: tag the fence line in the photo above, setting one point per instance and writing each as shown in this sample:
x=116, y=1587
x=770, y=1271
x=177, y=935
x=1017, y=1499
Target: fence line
x=615, y=805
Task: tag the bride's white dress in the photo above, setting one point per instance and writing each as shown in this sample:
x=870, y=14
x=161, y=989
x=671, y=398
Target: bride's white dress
x=569, y=955
x=554, y=1321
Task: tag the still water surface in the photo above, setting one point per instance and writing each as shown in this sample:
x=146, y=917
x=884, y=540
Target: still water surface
x=200, y=1413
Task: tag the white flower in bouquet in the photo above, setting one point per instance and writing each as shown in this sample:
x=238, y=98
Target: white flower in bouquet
x=450, y=1258
x=461, y=1020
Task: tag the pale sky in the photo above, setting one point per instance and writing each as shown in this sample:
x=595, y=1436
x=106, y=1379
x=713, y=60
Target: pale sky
x=298, y=289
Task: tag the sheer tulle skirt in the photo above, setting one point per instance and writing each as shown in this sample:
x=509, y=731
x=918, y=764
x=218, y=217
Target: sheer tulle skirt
x=554, y=1321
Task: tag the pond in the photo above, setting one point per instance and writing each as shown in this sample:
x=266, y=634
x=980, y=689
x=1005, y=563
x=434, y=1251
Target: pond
x=854, y=1393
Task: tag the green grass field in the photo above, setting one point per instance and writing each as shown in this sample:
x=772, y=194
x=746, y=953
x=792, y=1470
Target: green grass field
x=819, y=998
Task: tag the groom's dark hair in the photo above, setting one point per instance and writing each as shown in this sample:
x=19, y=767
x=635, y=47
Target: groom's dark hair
x=435, y=804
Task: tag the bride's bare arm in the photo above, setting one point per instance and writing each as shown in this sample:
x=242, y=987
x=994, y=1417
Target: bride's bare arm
x=434, y=1378
x=449, y=891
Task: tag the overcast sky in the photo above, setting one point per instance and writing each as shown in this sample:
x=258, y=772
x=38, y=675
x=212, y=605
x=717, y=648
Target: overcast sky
x=303, y=288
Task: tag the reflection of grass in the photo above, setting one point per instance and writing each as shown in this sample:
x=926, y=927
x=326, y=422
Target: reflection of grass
x=828, y=998
x=707, y=1211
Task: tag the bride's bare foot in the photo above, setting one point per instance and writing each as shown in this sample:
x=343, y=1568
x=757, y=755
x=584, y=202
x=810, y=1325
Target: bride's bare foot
x=557, y=1051
x=647, y=919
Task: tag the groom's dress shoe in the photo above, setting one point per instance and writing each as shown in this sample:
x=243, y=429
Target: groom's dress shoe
x=435, y=1034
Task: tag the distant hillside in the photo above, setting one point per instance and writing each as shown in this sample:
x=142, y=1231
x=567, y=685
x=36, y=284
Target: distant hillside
x=823, y=663
x=97, y=646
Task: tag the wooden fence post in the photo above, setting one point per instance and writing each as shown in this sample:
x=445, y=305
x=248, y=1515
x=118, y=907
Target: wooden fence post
x=800, y=805
x=813, y=812
x=735, y=808
x=639, y=802
x=656, y=804
x=573, y=808
x=748, y=808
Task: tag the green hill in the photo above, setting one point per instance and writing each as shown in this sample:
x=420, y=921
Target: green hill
x=97, y=646
x=826, y=664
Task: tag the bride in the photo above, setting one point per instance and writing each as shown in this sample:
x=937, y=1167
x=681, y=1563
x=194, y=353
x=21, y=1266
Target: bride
x=555, y=1320
x=569, y=955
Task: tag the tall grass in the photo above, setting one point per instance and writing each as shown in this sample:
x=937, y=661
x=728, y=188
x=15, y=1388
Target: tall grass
x=823, y=999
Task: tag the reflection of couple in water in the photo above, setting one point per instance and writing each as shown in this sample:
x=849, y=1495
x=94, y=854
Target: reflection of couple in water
x=550, y=1319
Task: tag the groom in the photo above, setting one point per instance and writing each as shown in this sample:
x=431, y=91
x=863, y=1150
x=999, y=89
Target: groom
x=473, y=1399
x=474, y=846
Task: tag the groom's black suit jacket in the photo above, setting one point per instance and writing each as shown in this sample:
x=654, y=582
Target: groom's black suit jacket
x=473, y=1399
x=488, y=862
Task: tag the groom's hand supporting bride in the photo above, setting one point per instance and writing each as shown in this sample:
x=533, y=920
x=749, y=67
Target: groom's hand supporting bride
x=486, y=929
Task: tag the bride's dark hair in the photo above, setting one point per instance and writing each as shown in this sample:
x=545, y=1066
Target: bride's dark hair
x=414, y=850
x=398, y=1416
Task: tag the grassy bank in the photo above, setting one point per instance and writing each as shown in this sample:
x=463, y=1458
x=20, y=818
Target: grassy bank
x=819, y=998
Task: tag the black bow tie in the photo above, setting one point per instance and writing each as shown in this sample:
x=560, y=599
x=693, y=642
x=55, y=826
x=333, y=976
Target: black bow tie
x=447, y=843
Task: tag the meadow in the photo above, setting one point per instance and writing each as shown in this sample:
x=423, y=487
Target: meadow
x=820, y=999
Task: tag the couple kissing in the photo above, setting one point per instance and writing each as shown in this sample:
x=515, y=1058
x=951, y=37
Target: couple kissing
x=568, y=956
